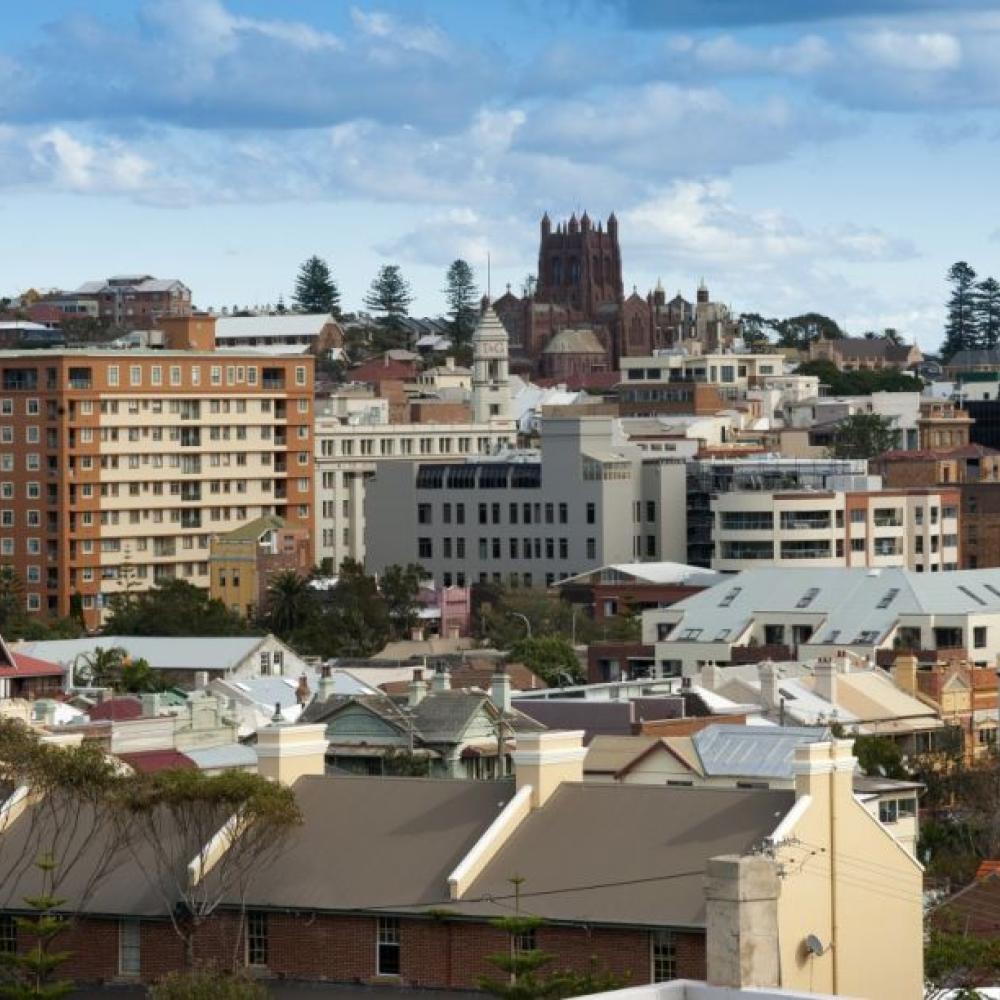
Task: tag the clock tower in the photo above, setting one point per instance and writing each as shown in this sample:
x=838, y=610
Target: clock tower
x=490, y=374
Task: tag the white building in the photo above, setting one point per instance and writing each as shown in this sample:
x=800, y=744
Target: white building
x=917, y=529
x=820, y=612
x=317, y=332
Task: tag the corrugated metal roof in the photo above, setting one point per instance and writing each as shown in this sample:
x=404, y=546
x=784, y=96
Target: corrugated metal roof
x=286, y=325
x=752, y=751
x=230, y=755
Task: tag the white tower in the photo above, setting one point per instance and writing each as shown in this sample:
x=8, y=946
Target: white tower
x=490, y=369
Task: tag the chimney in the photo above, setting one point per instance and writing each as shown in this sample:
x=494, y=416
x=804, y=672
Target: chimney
x=904, y=674
x=416, y=634
x=418, y=688
x=500, y=688
x=824, y=770
x=150, y=705
x=770, y=696
x=200, y=679
x=326, y=682
x=454, y=631
x=286, y=753
x=449, y=363
x=188, y=333
x=711, y=676
x=825, y=679
x=741, y=933
x=543, y=761
x=441, y=681
x=302, y=693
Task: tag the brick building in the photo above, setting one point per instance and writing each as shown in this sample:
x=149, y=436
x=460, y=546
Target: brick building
x=117, y=466
x=130, y=301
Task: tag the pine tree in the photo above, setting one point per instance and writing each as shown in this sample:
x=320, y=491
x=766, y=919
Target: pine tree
x=986, y=311
x=461, y=294
x=960, y=328
x=315, y=289
x=389, y=297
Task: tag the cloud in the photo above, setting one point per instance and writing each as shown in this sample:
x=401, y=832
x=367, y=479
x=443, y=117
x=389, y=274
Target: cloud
x=198, y=64
x=81, y=167
x=918, y=51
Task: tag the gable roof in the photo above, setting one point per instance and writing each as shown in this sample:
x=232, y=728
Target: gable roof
x=654, y=572
x=753, y=751
x=581, y=341
x=285, y=325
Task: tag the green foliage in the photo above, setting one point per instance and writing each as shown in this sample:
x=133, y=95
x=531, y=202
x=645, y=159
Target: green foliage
x=986, y=313
x=960, y=962
x=400, y=586
x=551, y=657
x=315, y=289
x=389, y=297
x=461, y=294
x=289, y=603
x=879, y=756
x=11, y=598
x=960, y=327
x=860, y=383
x=524, y=979
x=112, y=668
x=173, y=608
x=402, y=763
x=33, y=969
x=208, y=983
x=864, y=435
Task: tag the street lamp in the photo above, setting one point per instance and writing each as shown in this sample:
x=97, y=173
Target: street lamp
x=524, y=618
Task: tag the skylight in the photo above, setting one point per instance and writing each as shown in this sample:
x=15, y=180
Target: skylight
x=890, y=596
x=730, y=597
x=807, y=598
x=969, y=593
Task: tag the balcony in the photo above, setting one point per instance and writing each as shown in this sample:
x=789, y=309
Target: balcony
x=191, y=519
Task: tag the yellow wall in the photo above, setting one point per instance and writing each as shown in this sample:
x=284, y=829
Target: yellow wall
x=848, y=882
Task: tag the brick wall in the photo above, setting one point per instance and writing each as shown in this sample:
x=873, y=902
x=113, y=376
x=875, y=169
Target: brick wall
x=445, y=954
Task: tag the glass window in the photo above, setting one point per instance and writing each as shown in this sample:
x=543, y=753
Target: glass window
x=129, y=948
x=256, y=938
x=664, y=956
x=388, y=953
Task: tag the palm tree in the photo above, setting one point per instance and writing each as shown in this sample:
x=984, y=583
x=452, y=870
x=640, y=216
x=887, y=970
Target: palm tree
x=289, y=602
x=103, y=667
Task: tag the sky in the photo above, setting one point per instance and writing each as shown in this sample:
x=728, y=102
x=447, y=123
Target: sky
x=797, y=155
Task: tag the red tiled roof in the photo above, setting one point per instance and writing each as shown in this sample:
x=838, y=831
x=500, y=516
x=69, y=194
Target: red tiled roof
x=988, y=867
x=29, y=666
x=116, y=709
x=148, y=761
x=933, y=455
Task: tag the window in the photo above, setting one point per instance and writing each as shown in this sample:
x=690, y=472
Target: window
x=525, y=941
x=563, y=513
x=425, y=548
x=423, y=513
x=664, y=956
x=129, y=948
x=591, y=513
x=8, y=934
x=388, y=953
x=135, y=375
x=979, y=636
x=265, y=664
x=256, y=938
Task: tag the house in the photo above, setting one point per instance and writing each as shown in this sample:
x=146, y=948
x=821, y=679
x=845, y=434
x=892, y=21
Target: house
x=459, y=733
x=629, y=588
x=728, y=885
x=860, y=353
x=721, y=755
x=179, y=660
x=787, y=613
x=28, y=677
x=317, y=332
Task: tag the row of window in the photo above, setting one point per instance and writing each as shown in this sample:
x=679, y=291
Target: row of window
x=883, y=517
x=492, y=548
x=348, y=447
x=187, y=463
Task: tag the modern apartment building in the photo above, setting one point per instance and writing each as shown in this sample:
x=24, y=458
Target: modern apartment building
x=116, y=467
x=915, y=529
x=529, y=518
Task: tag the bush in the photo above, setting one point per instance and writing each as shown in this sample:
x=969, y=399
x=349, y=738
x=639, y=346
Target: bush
x=207, y=983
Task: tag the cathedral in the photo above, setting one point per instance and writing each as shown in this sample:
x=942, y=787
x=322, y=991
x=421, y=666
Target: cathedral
x=577, y=319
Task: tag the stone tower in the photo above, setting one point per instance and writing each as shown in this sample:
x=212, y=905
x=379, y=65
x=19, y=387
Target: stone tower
x=579, y=264
x=490, y=372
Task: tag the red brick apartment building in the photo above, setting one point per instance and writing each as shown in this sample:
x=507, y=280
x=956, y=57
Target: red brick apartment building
x=118, y=466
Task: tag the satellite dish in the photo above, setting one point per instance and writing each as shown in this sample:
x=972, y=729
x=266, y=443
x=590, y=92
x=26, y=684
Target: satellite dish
x=813, y=945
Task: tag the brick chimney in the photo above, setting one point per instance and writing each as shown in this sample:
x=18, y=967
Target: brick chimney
x=286, y=753
x=188, y=333
x=500, y=688
x=543, y=761
x=302, y=693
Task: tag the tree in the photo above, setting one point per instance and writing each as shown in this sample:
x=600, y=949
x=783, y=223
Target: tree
x=860, y=383
x=864, y=435
x=551, y=657
x=801, y=331
x=461, y=295
x=178, y=816
x=102, y=668
x=960, y=327
x=879, y=756
x=289, y=602
x=389, y=297
x=956, y=963
x=208, y=984
x=400, y=586
x=174, y=607
x=986, y=313
x=138, y=677
x=756, y=331
x=11, y=597
x=315, y=289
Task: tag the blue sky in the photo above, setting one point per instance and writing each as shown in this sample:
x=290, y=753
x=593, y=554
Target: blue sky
x=835, y=156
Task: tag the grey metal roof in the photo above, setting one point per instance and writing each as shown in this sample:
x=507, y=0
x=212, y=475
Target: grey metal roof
x=161, y=652
x=231, y=755
x=846, y=602
x=287, y=325
x=752, y=751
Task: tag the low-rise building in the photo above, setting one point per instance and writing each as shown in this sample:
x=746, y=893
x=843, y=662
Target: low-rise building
x=819, y=612
x=860, y=353
x=319, y=333
x=917, y=529
x=242, y=562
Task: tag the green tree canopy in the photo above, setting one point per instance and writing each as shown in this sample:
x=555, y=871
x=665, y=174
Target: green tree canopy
x=864, y=435
x=315, y=289
x=860, y=383
x=960, y=327
x=801, y=331
x=551, y=657
x=175, y=607
x=461, y=295
x=986, y=312
x=290, y=602
x=389, y=297
x=400, y=586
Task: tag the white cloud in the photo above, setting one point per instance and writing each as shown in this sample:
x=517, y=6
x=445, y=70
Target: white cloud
x=912, y=51
x=75, y=165
x=727, y=55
